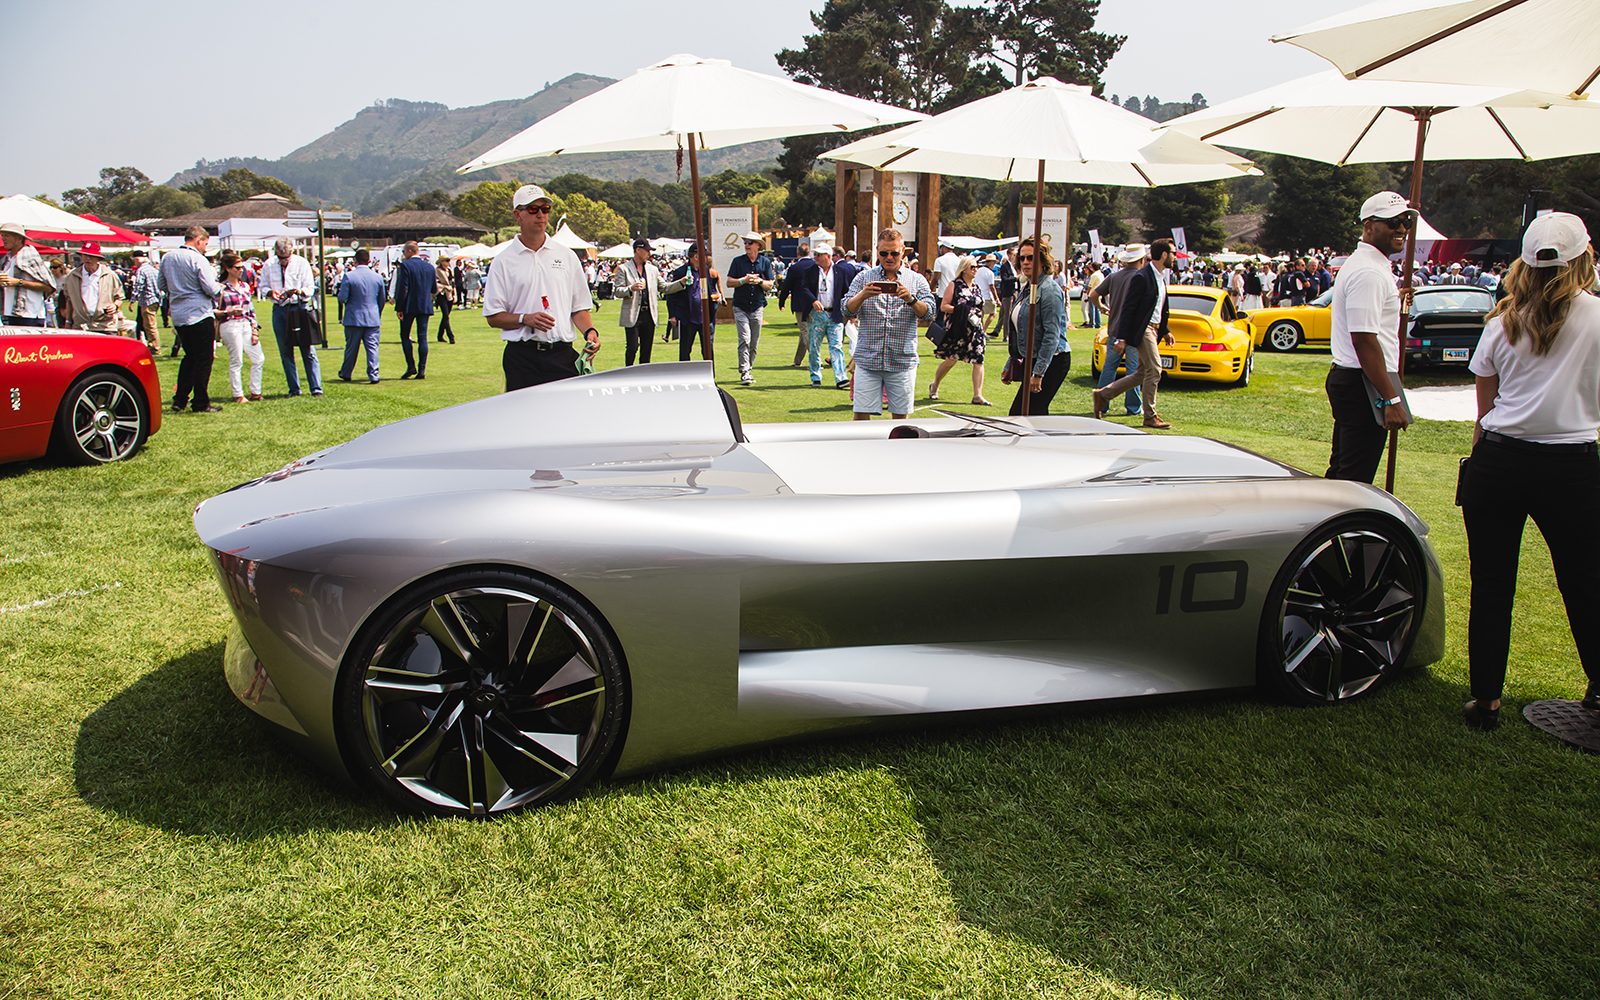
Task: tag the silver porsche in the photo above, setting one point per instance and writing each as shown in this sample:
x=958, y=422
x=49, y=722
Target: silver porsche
x=491, y=606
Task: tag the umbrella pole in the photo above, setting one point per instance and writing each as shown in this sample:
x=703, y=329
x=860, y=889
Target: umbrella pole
x=1033, y=290
x=701, y=252
x=1406, y=269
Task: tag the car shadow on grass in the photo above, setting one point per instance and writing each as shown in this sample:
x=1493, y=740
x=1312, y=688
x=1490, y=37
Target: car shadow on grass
x=177, y=751
x=1231, y=846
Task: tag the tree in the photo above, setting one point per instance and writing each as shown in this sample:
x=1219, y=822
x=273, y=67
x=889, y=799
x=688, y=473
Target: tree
x=810, y=203
x=1034, y=38
x=159, y=202
x=984, y=221
x=237, y=184
x=770, y=205
x=429, y=201
x=114, y=182
x=594, y=220
x=1313, y=204
x=488, y=204
x=1195, y=207
x=732, y=188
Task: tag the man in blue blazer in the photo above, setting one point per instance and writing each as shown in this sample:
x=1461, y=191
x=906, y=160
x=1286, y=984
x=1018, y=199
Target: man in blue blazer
x=819, y=296
x=413, y=300
x=1142, y=321
x=361, y=297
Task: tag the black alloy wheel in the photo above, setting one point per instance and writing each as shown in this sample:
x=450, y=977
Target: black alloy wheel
x=1343, y=612
x=1284, y=335
x=104, y=417
x=480, y=693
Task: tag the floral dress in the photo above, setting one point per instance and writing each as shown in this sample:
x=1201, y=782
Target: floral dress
x=966, y=339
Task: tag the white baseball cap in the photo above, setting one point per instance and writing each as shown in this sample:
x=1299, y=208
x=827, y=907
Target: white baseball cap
x=821, y=248
x=1133, y=252
x=1384, y=205
x=1554, y=239
x=527, y=194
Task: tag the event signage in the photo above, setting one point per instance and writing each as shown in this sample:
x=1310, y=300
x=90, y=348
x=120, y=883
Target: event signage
x=1056, y=219
x=338, y=220
x=729, y=223
x=1180, y=239
x=903, y=211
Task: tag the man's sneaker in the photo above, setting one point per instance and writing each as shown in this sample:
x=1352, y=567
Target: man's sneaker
x=747, y=379
x=1591, y=698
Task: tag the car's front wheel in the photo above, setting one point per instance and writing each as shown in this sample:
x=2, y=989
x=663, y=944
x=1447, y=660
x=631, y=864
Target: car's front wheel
x=1343, y=612
x=1284, y=335
x=482, y=692
x=104, y=417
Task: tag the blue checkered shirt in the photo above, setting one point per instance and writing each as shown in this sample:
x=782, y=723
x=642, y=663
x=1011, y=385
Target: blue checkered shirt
x=887, y=339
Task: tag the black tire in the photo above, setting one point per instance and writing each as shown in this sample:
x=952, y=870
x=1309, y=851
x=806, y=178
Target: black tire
x=481, y=692
x=1283, y=335
x=104, y=417
x=1343, y=612
x=1094, y=367
x=1249, y=366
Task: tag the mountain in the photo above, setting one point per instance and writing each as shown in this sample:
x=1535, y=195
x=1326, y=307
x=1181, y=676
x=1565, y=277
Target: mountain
x=396, y=149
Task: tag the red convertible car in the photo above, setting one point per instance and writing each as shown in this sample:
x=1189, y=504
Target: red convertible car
x=89, y=397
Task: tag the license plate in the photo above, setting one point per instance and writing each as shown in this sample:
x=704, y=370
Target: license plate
x=1167, y=360
x=1458, y=353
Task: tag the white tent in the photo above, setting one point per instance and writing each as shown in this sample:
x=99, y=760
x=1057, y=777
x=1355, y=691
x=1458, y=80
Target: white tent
x=970, y=243
x=821, y=234
x=477, y=251
x=567, y=238
x=36, y=215
x=622, y=251
x=667, y=245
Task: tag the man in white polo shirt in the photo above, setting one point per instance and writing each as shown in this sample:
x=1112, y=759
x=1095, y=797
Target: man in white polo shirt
x=538, y=296
x=1366, y=341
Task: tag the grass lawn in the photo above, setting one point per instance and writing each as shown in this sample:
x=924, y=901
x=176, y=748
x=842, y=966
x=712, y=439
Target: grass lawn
x=155, y=840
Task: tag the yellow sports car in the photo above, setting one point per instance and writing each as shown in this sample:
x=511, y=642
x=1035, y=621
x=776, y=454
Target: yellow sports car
x=1213, y=342
x=1287, y=327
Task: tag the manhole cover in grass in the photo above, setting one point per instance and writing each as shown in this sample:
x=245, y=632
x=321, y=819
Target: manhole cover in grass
x=1567, y=721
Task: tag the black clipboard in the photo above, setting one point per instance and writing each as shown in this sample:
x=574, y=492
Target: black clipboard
x=1373, y=396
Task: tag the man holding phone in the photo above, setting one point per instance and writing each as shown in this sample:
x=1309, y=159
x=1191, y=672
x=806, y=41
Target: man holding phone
x=887, y=300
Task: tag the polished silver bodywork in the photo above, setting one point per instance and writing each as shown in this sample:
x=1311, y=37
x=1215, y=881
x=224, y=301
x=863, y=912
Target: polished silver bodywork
x=810, y=577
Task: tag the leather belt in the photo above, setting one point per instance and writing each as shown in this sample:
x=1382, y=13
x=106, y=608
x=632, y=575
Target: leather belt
x=1577, y=448
x=543, y=345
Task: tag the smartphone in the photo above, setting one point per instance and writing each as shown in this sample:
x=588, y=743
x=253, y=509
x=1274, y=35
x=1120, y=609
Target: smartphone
x=887, y=286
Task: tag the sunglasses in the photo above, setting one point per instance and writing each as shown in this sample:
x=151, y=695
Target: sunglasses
x=1024, y=256
x=890, y=253
x=540, y=209
x=1401, y=221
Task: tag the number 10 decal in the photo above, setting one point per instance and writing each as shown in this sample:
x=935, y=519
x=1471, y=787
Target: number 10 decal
x=1237, y=568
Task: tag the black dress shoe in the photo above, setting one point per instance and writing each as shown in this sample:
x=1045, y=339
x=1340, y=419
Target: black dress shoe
x=1591, y=698
x=441, y=338
x=213, y=408
x=421, y=376
x=344, y=378
x=1478, y=717
x=410, y=373
x=452, y=338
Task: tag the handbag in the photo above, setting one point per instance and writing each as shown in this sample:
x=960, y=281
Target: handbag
x=937, y=331
x=1012, y=372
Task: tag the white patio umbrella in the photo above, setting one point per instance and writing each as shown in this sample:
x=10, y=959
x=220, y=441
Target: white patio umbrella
x=1050, y=131
x=1329, y=118
x=33, y=214
x=1546, y=45
x=710, y=102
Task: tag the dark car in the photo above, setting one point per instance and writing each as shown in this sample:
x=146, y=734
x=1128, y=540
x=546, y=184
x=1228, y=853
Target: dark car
x=1446, y=322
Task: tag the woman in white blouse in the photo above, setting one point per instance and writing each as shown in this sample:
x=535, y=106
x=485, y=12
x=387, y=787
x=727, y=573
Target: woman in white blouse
x=1534, y=453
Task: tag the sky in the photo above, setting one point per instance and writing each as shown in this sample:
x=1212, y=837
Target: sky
x=180, y=81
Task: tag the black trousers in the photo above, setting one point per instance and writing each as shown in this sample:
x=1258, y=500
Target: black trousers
x=640, y=337
x=194, y=371
x=689, y=336
x=1559, y=487
x=1358, y=438
x=526, y=365
x=1039, y=402
x=421, y=319
x=443, y=304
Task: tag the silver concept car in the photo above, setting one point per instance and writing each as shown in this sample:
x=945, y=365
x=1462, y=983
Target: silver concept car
x=489, y=606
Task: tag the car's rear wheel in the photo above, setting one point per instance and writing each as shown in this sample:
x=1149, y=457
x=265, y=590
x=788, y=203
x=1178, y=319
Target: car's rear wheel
x=482, y=692
x=1343, y=612
x=1249, y=367
x=104, y=417
x=1284, y=335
